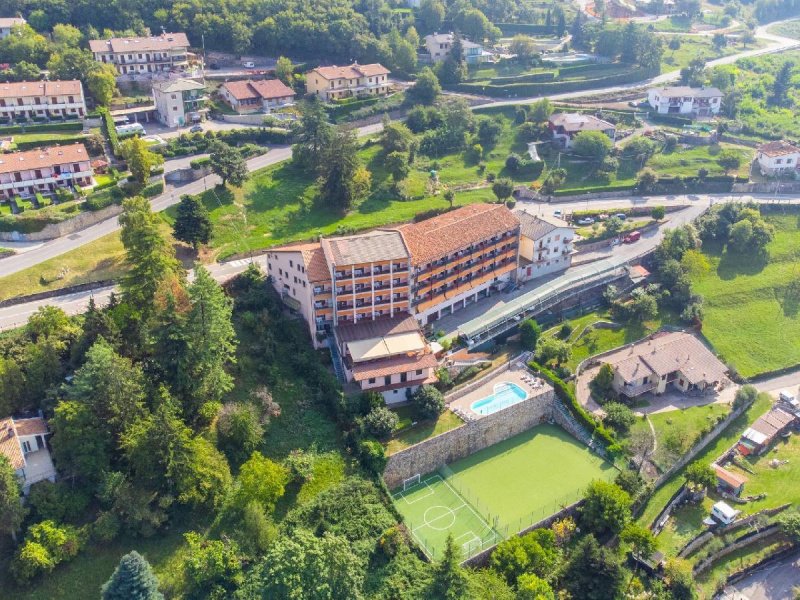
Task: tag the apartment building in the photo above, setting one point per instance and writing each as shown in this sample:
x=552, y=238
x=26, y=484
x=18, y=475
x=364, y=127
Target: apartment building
x=179, y=101
x=43, y=170
x=7, y=23
x=334, y=83
x=459, y=256
x=777, y=158
x=684, y=100
x=256, y=96
x=565, y=126
x=545, y=245
x=42, y=99
x=22, y=442
x=165, y=52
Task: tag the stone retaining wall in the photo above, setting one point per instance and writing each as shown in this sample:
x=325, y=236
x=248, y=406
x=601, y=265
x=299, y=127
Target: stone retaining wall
x=769, y=532
x=56, y=230
x=433, y=453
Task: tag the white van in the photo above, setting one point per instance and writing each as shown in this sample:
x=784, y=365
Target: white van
x=724, y=513
x=249, y=64
x=787, y=396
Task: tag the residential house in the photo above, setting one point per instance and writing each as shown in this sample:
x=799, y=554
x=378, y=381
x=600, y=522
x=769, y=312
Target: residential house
x=256, y=96
x=565, y=126
x=42, y=99
x=684, y=100
x=458, y=257
x=545, y=245
x=665, y=358
x=135, y=55
x=757, y=438
x=44, y=169
x=439, y=46
x=179, y=101
x=777, y=158
x=22, y=442
x=335, y=83
x=7, y=23
x=728, y=481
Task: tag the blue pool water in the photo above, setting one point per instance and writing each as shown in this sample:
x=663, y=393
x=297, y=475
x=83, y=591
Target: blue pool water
x=505, y=394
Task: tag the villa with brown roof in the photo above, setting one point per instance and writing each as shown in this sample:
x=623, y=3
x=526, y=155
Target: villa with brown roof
x=565, y=126
x=6, y=23
x=334, y=83
x=38, y=99
x=22, y=442
x=43, y=170
x=132, y=55
x=256, y=96
x=665, y=358
x=777, y=157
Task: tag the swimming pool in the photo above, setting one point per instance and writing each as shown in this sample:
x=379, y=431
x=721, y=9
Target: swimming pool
x=505, y=394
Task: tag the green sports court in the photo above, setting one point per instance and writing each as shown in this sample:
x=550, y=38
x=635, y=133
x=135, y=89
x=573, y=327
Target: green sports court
x=499, y=491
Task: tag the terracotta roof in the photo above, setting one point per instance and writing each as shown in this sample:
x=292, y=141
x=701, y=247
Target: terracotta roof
x=353, y=71
x=393, y=365
x=536, y=226
x=7, y=22
x=732, y=479
x=665, y=353
x=42, y=158
x=9, y=444
x=375, y=246
x=778, y=148
x=34, y=426
x=41, y=88
x=165, y=41
x=265, y=89
x=576, y=122
x=451, y=231
x=374, y=328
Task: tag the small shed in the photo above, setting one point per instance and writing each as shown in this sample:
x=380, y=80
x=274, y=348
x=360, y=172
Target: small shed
x=729, y=482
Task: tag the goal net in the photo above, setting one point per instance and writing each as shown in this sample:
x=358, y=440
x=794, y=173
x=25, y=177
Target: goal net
x=411, y=481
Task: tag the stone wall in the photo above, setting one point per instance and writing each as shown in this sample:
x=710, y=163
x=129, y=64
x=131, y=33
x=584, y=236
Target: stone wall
x=751, y=538
x=56, y=230
x=433, y=453
x=187, y=174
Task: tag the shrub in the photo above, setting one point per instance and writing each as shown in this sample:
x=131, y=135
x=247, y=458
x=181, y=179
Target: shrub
x=57, y=501
x=106, y=527
x=372, y=456
x=199, y=163
x=154, y=189
x=513, y=162
x=529, y=331
x=381, y=422
x=101, y=200
x=428, y=402
x=745, y=396
x=565, y=331
x=239, y=431
x=618, y=416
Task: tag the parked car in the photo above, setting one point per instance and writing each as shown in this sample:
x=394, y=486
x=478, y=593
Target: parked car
x=586, y=221
x=249, y=64
x=622, y=216
x=632, y=237
x=196, y=128
x=558, y=214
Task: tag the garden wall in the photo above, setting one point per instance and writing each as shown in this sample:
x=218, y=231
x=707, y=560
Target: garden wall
x=742, y=542
x=56, y=230
x=453, y=445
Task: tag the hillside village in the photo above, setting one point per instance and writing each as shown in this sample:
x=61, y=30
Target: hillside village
x=407, y=299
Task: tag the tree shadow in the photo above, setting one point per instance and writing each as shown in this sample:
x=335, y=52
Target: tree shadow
x=732, y=264
x=789, y=299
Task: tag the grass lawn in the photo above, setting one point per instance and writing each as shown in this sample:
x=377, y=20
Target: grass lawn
x=697, y=47
x=749, y=317
x=660, y=498
x=508, y=485
x=57, y=137
x=710, y=581
x=685, y=162
x=597, y=231
x=408, y=434
x=790, y=29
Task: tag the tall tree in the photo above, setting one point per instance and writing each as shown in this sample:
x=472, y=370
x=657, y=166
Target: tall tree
x=606, y=509
x=431, y=13
x=12, y=511
x=140, y=160
x=102, y=83
x=82, y=447
x=192, y=223
x=343, y=179
x=133, y=579
x=149, y=258
x=449, y=579
x=593, y=572
x=315, y=135
x=782, y=85
x=284, y=70
x=426, y=88
x=229, y=164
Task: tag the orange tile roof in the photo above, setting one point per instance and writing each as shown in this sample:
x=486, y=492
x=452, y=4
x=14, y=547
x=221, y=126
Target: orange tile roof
x=9, y=444
x=393, y=365
x=313, y=260
x=451, y=231
x=42, y=158
x=353, y=71
x=778, y=148
x=33, y=426
x=266, y=89
x=41, y=88
x=732, y=479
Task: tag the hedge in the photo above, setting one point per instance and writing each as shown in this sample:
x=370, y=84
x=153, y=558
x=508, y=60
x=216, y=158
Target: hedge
x=103, y=199
x=555, y=87
x=110, y=131
x=530, y=78
x=154, y=189
x=340, y=110
x=61, y=126
x=569, y=399
x=510, y=29
x=611, y=187
x=669, y=119
x=199, y=163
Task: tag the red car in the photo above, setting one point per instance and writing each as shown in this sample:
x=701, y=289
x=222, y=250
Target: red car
x=632, y=237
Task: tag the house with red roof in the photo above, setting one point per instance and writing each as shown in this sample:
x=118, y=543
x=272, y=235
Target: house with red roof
x=249, y=96
x=22, y=442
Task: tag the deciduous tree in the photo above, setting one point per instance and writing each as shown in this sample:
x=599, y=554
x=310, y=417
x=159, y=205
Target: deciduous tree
x=229, y=164
x=606, y=509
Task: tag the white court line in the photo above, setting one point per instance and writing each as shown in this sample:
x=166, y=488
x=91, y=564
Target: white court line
x=426, y=523
x=480, y=518
x=402, y=494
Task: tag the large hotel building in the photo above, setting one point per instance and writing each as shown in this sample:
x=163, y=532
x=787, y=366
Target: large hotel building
x=369, y=293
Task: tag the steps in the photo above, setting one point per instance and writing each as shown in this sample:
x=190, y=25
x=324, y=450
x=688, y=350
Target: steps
x=336, y=359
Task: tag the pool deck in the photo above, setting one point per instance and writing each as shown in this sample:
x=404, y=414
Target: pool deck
x=512, y=375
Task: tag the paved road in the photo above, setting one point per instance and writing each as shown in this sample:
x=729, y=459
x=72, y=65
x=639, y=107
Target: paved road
x=775, y=582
